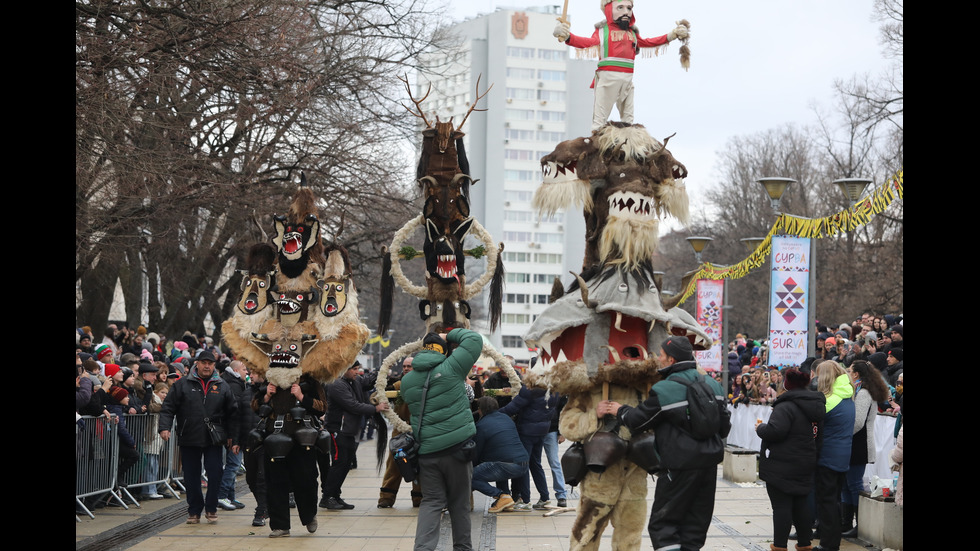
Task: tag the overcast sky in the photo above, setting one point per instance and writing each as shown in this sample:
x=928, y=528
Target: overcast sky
x=755, y=65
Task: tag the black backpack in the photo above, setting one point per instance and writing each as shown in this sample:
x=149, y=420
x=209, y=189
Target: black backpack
x=705, y=413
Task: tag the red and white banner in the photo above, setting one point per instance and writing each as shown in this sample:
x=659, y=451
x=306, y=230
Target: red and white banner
x=708, y=313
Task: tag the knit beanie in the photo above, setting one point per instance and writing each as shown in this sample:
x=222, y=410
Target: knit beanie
x=433, y=341
x=102, y=351
x=793, y=378
x=118, y=393
x=678, y=348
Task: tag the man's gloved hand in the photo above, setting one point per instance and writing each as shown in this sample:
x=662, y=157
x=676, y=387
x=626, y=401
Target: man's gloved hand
x=679, y=32
x=562, y=31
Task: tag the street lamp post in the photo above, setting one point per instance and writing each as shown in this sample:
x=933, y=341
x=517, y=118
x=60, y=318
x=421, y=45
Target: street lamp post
x=853, y=188
x=775, y=187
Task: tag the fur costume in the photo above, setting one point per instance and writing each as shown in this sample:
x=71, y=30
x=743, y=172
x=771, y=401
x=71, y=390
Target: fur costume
x=616, y=496
x=607, y=326
x=314, y=325
x=443, y=178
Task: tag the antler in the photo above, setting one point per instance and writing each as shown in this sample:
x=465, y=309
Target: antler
x=479, y=96
x=418, y=103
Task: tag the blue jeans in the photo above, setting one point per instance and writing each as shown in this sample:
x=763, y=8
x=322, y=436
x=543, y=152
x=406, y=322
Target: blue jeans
x=233, y=462
x=557, y=477
x=151, y=471
x=534, y=446
x=492, y=471
x=853, y=485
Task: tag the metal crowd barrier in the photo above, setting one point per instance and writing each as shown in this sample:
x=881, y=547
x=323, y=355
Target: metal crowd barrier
x=97, y=461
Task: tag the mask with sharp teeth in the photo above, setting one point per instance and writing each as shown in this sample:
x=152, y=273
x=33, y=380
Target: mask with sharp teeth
x=292, y=307
x=283, y=352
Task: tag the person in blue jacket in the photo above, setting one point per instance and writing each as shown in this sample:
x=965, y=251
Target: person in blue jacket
x=833, y=451
x=534, y=413
x=498, y=455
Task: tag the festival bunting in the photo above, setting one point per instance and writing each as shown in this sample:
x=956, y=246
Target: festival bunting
x=787, y=224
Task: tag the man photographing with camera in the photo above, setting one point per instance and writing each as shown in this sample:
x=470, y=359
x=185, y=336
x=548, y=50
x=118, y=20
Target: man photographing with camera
x=442, y=423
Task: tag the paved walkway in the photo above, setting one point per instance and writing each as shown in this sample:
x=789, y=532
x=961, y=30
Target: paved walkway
x=742, y=521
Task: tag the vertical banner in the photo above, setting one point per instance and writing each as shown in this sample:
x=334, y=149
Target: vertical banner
x=708, y=312
x=789, y=300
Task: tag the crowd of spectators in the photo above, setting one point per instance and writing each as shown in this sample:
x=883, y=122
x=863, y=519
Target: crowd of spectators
x=876, y=340
x=128, y=372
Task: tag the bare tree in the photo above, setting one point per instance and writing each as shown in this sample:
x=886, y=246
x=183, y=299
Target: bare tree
x=193, y=122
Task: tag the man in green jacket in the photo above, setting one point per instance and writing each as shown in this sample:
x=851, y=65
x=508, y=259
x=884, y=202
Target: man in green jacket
x=443, y=425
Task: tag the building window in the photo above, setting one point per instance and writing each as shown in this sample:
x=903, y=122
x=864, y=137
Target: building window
x=548, y=237
x=516, y=319
x=552, y=55
x=516, y=134
x=551, y=116
x=512, y=341
x=519, y=114
x=517, y=236
x=523, y=53
x=520, y=155
x=510, y=256
x=518, y=277
x=547, y=258
x=555, y=76
x=518, y=216
x=551, y=95
x=517, y=298
x=541, y=299
x=518, y=196
x=544, y=278
x=523, y=175
x=549, y=136
x=521, y=93
x=520, y=72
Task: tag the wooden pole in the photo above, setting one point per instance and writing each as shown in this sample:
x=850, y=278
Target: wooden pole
x=564, y=17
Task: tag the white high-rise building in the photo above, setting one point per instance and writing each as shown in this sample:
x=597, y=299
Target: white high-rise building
x=539, y=98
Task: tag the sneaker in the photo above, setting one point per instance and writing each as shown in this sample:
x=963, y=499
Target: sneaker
x=503, y=503
x=212, y=517
x=259, y=520
x=279, y=534
x=226, y=504
x=312, y=526
x=151, y=496
x=237, y=504
x=541, y=504
x=194, y=519
x=521, y=506
x=562, y=502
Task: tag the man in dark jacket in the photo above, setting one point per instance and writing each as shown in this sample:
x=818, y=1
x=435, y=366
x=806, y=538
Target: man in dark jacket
x=347, y=407
x=499, y=453
x=443, y=426
x=685, y=497
x=204, y=408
